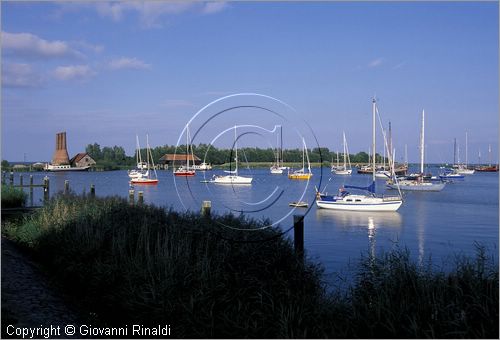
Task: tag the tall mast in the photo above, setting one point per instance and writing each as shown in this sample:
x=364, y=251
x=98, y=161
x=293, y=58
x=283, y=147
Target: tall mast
x=373, y=138
x=187, y=147
x=345, y=165
x=422, y=146
x=138, y=154
x=147, y=150
x=389, y=152
x=236, y=151
x=281, y=145
x=466, y=159
x=303, y=154
x=455, y=151
x=489, y=154
x=406, y=154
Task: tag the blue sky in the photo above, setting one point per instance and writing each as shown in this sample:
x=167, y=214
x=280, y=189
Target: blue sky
x=103, y=72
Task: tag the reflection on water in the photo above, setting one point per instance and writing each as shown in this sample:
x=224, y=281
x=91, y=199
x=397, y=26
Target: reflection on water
x=371, y=221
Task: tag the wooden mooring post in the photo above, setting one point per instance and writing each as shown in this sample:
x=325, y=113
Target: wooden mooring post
x=298, y=234
x=46, y=189
x=140, y=197
x=206, y=206
x=66, y=187
x=11, y=178
x=21, y=180
x=92, y=190
x=131, y=194
x=31, y=190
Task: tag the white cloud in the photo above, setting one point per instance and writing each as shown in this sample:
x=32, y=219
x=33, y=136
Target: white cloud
x=20, y=75
x=398, y=66
x=78, y=72
x=89, y=47
x=214, y=7
x=376, y=62
x=30, y=45
x=128, y=63
x=151, y=14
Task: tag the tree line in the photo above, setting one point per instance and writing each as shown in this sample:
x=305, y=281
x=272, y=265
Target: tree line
x=113, y=157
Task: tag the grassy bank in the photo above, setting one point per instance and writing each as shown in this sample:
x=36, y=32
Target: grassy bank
x=13, y=197
x=145, y=265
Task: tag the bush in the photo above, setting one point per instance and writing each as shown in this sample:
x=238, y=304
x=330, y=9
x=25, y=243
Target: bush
x=13, y=197
x=144, y=265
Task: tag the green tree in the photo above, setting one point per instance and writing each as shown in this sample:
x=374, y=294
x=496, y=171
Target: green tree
x=5, y=165
x=94, y=150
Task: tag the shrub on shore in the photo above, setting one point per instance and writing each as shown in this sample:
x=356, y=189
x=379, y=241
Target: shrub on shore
x=145, y=265
x=13, y=197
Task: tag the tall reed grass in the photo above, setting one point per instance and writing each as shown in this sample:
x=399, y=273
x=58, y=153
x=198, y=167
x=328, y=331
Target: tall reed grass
x=13, y=197
x=146, y=265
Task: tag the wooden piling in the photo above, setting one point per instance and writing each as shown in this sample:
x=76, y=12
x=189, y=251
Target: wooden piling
x=131, y=194
x=140, y=197
x=11, y=178
x=66, y=187
x=92, y=190
x=31, y=190
x=46, y=189
x=298, y=234
x=21, y=180
x=206, y=206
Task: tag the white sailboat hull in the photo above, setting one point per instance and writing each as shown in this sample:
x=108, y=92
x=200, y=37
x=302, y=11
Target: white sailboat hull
x=232, y=179
x=276, y=170
x=416, y=186
x=466, y=171
x=361, y=203
x=342, y=171
x=383, y=174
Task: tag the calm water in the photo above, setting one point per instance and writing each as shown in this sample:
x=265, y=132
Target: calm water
x=437, y=224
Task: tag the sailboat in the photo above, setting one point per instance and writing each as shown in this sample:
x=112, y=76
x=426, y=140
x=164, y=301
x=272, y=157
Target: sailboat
x=489, y=167
x=418, y=183
x=360, y=202
x=453, y=172
x=301, y=173
x=382, y=171
x=278, y=167
x=147, y=178
x=141, y=169
x=344, y=170
x=187, y=171
x=233, y=177
x=463, y=169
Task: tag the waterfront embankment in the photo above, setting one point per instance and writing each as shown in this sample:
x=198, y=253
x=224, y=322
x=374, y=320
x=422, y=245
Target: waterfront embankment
x=128, y=264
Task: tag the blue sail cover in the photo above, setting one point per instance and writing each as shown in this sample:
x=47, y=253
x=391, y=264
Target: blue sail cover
x=370, y=188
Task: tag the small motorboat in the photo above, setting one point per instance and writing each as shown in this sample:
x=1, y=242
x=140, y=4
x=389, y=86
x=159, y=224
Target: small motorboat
x=299, y=204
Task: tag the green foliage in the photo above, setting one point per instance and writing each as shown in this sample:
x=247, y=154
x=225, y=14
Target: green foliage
x=13, y=197
x=144, y=265
x=5, y=165
x=395, y=296
x=113, y=157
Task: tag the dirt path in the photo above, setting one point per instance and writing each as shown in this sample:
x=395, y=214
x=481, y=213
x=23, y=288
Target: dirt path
x=28, y=298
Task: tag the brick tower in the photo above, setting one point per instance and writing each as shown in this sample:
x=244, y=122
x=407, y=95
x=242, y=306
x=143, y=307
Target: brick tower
x=61, y=154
